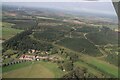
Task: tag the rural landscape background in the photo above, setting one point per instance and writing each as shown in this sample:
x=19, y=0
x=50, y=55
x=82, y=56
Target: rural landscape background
x=59, y=40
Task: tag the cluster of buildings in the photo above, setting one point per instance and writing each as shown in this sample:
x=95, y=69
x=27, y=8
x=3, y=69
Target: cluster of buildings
x=36, y=51
x=38, y=58
x=32, y=57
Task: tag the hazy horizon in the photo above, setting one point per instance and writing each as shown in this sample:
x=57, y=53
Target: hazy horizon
x=86, y=7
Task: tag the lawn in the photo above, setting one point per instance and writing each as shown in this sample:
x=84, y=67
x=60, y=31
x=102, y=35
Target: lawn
x=7, y=31
x=33, y=70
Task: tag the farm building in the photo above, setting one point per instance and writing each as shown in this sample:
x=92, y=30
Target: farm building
x=27, y=57
x=31, y=57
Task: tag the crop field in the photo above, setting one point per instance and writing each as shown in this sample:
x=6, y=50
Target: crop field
x=7, y=31
x=90, y=69
x=21, y=24
x=101, y=65
x=32, y=70
x=97, y=66
x=14, y=67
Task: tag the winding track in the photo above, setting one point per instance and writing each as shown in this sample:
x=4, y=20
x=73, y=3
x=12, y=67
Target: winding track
x=104, y=54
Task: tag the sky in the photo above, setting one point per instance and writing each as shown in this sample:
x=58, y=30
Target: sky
x=90, y=6
x=55, y=0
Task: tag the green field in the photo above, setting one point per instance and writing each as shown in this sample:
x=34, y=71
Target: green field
x=32, y=70
x=106, y=67
x=95, y=65
x=89, y=68
x=14, y=67
x=101, y=65
x=7, y=31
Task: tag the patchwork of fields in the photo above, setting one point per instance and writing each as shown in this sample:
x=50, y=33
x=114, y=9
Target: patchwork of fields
x=58, y=48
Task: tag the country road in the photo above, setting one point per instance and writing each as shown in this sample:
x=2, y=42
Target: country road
x=104, y=54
